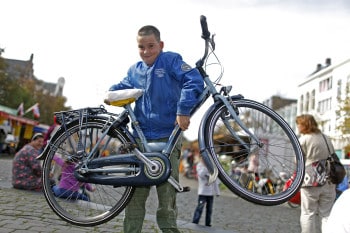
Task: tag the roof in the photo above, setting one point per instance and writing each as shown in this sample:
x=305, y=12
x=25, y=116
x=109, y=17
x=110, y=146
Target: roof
x=8, y=110
x=18, y=68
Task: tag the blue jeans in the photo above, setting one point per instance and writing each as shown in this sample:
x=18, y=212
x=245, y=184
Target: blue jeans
x=202, y=201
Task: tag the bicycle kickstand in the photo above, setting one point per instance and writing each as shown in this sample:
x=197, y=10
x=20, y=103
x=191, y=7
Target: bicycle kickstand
x=179, y=188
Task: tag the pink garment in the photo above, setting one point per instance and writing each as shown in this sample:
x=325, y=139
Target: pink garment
x=67, y=180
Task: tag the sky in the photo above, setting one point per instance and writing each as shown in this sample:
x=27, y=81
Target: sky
x=266, y=47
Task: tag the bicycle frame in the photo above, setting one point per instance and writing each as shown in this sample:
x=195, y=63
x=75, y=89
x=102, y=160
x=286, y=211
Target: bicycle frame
x=242, y=142
x=159, y=150
x=151, y=149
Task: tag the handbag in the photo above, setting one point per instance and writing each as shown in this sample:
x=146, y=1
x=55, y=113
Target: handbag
x=296, y=198
x=316, y=174
x=336, y=169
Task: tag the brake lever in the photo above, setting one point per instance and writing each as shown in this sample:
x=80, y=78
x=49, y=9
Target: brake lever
x=212, y=42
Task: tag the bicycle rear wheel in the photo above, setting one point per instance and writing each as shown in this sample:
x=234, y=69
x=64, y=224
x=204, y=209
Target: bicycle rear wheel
x=249, y=169
x=77, y=203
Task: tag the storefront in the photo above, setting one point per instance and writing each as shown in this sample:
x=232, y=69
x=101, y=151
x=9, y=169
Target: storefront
x=20, y=127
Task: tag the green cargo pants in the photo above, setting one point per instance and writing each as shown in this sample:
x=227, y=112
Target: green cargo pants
x=167, y=210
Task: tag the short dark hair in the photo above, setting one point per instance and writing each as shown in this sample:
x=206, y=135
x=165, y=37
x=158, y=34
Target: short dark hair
x=149, y=30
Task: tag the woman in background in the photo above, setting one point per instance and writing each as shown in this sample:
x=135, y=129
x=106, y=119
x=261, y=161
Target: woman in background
x=316, y=201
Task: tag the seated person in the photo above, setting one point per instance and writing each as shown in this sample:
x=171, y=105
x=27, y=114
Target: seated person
x=69, y=186
x=26, y=169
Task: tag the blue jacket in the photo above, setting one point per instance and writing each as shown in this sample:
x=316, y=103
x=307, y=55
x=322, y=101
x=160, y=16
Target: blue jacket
x=171, y=87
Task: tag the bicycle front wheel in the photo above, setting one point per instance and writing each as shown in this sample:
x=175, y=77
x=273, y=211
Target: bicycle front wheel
x=75, y=202
x=251, y=168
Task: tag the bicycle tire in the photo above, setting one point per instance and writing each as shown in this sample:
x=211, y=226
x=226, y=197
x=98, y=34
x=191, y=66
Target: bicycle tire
x=106, y=201
x=233, y=153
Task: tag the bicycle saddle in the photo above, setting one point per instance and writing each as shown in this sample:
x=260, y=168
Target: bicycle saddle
x=122, y=97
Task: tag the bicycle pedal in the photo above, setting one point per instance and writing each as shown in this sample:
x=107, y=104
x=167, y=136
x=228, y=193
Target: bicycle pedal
x=184, y=189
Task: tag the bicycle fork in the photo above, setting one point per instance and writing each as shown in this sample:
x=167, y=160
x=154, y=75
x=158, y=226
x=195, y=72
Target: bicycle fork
x=204, y=149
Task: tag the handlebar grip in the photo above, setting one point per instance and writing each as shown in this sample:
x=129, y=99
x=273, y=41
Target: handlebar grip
x=204, y=25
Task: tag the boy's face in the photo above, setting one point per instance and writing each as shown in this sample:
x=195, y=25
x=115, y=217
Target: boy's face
x=149, y=48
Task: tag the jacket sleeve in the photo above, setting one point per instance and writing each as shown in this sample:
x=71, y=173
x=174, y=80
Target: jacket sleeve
x=192, y=88
x=124, y=84
x=192, y=85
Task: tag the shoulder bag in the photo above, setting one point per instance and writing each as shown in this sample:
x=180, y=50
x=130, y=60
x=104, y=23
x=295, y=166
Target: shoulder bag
x=336, y=169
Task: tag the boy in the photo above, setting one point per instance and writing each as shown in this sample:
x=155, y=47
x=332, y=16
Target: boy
x=171, y=89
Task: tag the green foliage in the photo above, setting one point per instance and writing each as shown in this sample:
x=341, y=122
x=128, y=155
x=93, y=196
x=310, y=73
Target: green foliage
x=17, y=90
x=343, y=112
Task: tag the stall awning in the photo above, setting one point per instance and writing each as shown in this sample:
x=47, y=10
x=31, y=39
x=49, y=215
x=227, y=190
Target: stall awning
x=22, y=120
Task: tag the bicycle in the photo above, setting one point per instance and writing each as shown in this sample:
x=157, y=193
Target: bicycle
x=107, y=155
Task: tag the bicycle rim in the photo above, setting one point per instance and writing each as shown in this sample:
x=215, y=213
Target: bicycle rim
x=83, y=207
x=247, y=169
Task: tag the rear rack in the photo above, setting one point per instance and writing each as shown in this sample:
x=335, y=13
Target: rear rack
x=64, y=117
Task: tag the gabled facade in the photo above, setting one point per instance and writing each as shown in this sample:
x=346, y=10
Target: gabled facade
x=318, y=95
x=19, y=68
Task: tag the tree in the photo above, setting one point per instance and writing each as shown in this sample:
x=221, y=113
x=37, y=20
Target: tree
x=29, y=91
x=48, y=104
x=343, y=117
x=343, y=113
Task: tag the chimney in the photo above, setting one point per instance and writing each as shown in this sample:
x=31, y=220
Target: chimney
x=328, y=62
x=318, y=67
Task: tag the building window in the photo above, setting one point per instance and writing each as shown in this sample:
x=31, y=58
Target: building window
x=301, y=104
x=312, y=100
x=325, y=105
x=325, y=84
x=307, y=101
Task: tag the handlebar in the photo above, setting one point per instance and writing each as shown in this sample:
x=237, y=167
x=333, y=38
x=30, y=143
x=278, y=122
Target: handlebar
x=209, y=41
x=204, y=25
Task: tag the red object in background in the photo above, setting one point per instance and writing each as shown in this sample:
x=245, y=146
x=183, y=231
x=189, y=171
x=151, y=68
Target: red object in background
x=296, y=198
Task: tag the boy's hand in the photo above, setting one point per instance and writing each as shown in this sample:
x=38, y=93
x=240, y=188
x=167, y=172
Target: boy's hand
x=183, y=121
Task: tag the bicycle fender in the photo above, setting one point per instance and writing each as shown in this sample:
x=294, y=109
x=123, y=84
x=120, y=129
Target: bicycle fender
x=43, y=154
x=201, y=141
x=46, y=150
x=209, y=162
x=119, y=124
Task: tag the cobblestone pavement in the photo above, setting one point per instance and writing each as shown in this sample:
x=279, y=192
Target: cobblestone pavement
x=24, y=211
